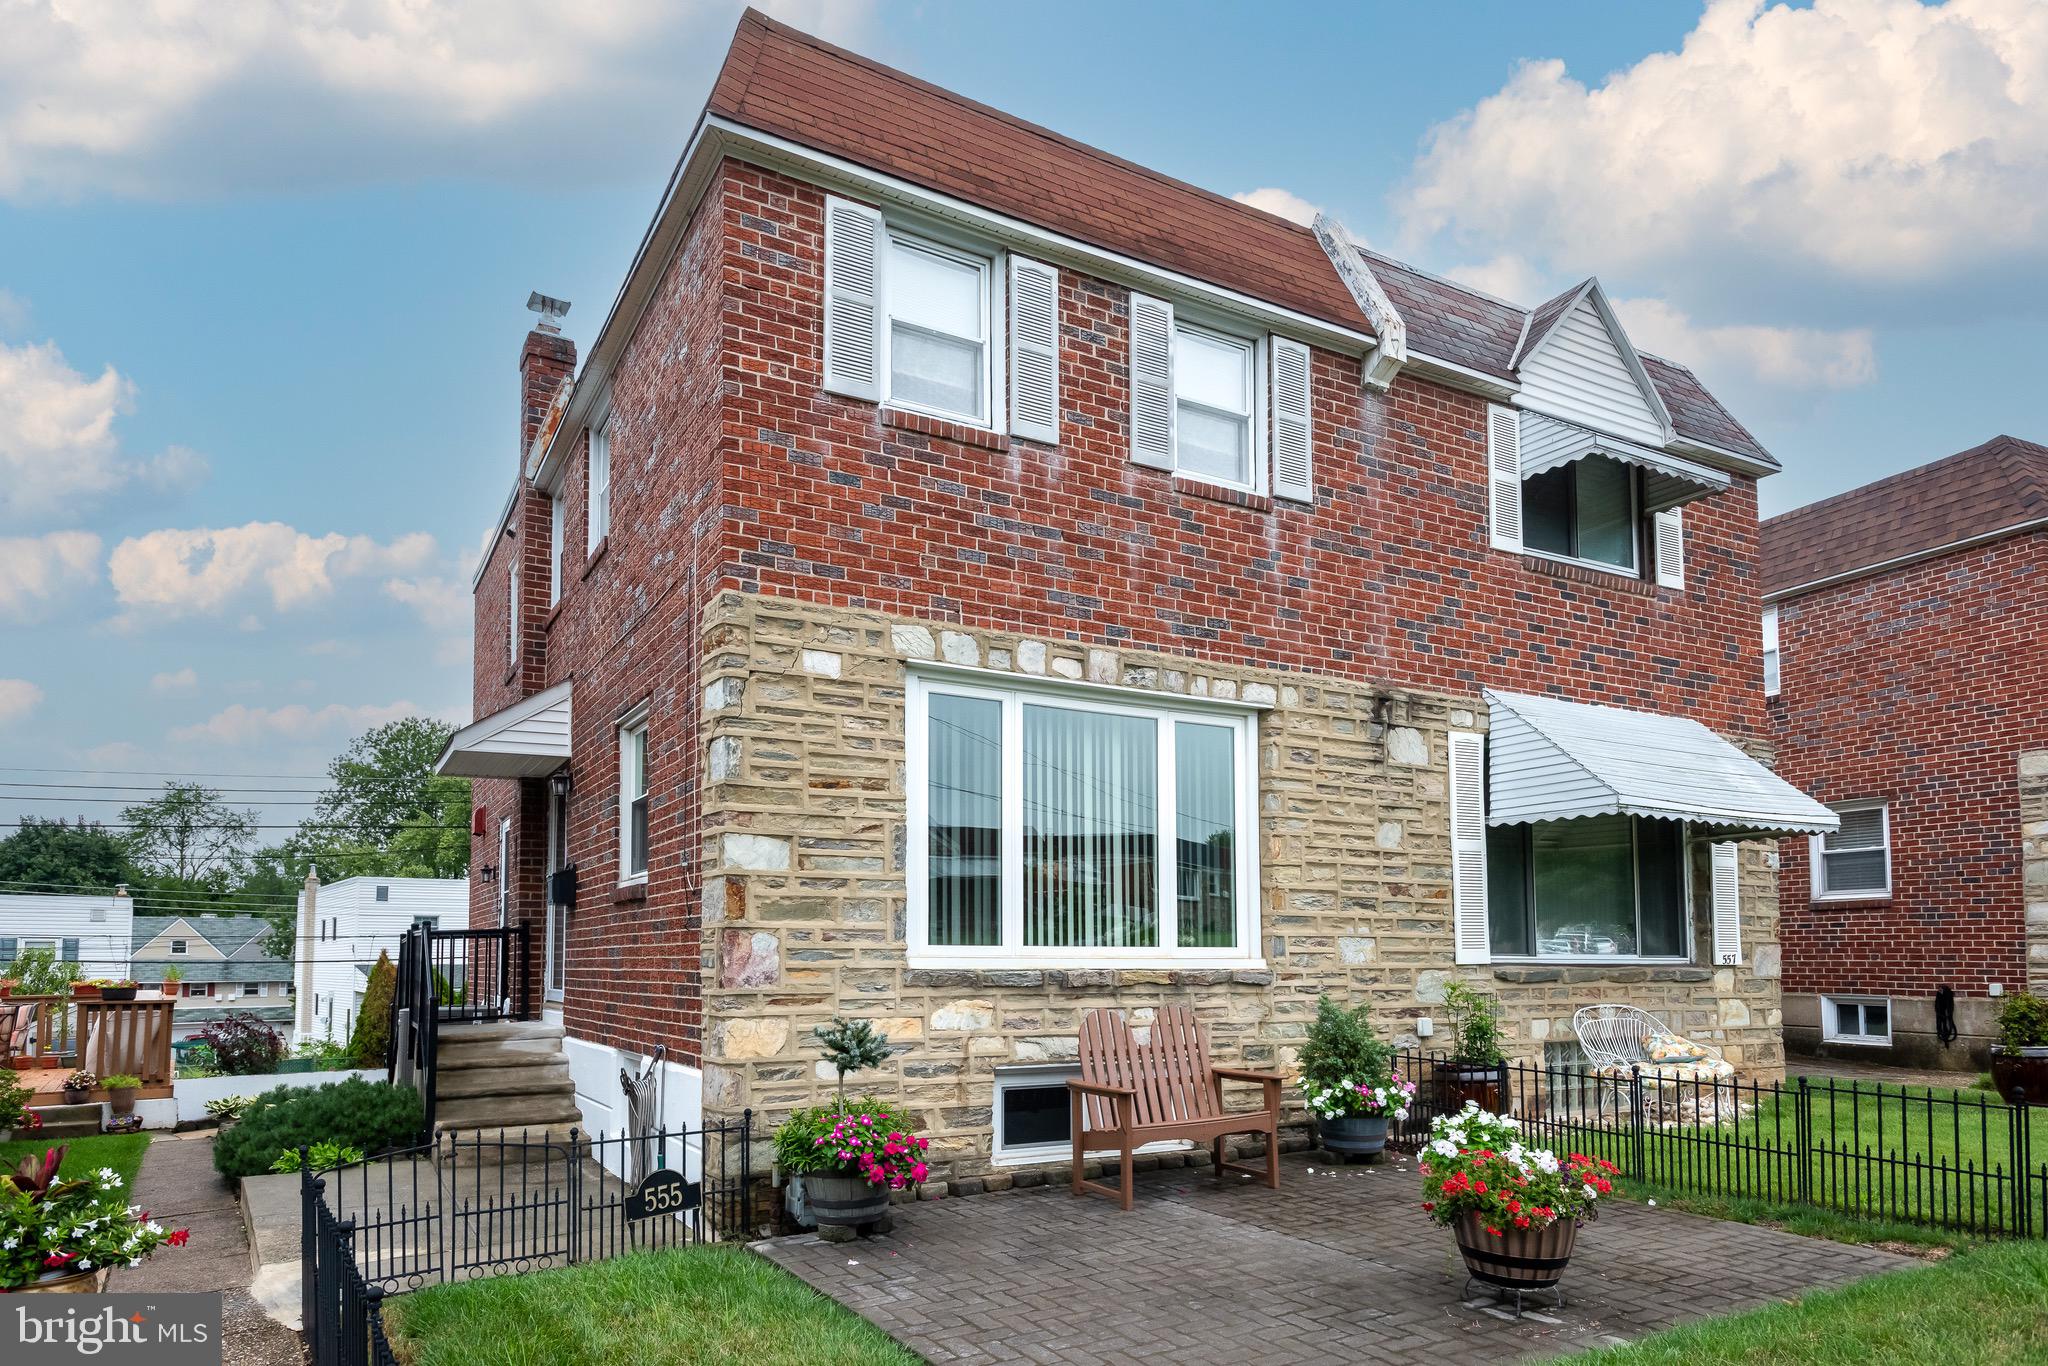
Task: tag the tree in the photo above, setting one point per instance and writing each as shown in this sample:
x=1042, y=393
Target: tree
x=372, y=1036
x=53, y=855
x=189, y=840
x=386, y=812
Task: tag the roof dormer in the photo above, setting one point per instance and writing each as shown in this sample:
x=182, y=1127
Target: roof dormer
x=1575, y=361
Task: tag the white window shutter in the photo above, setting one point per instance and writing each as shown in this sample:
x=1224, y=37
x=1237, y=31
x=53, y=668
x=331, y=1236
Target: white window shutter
x=1034, y=350
x=854, y=238
x=1151, y=382
x=1727, y=905
x=1470, y=935
x=1293, y=431
x=1670, y=525
x=1504, y=476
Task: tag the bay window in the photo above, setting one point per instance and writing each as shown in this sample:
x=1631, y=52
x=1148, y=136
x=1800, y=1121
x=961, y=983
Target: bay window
x=938, y=312
x=1053, y=827
x=1595, y=887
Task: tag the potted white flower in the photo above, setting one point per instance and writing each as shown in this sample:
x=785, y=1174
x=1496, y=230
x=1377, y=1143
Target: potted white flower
x=63, y=1234
x=1348, y=1081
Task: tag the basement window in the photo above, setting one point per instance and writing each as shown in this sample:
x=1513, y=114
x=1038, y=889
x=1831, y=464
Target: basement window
x=1033, y=1116
x=1856, y=1019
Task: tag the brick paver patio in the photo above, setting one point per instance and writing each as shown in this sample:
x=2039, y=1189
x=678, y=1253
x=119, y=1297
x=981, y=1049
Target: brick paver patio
x=1339, y=1265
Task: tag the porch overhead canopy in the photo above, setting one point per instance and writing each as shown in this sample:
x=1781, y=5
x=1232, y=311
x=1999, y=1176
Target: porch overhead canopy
x=528, y=739
x=1549, y=443
x=1552, y=760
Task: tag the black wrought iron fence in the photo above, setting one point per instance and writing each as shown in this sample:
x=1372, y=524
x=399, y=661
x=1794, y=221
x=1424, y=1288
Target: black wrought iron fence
x=343, y=1314
x=453, y=977
x=1960, y=1160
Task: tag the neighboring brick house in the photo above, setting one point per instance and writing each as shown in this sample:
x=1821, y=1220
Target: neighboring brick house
x=974, y=579
x=1906, y=624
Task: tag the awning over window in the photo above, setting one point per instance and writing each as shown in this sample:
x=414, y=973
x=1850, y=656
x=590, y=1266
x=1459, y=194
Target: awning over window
x=1549, y=442
x=528, y=739
x=1552, y=760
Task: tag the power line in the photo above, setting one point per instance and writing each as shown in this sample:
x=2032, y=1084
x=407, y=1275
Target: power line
x=175, y=773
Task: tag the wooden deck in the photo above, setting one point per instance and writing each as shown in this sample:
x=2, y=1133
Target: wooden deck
x=46, y=1087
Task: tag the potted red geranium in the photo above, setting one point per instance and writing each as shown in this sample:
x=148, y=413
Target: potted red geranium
x=1515, y=1208
x=60, y=1234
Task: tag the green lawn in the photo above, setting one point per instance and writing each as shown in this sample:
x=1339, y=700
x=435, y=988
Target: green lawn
x=122, y=1152
x=1870, y=1153
x=1990, y=1305
x=709, y=1305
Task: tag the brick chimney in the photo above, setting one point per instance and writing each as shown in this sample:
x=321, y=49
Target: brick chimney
x=547, y=361
x=547, y=364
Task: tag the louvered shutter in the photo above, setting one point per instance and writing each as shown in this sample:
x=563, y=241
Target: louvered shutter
x=1293, y=446
x=9, y=948
x=1151, y=382
x=1468, y=847
x=854, y=238
x=1670, y=527
x=1034, y=350
x=70, y=947
x=1727, y=905
x=1504, y=477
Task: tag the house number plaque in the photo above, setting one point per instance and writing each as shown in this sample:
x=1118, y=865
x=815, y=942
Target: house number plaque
x=663, y=1192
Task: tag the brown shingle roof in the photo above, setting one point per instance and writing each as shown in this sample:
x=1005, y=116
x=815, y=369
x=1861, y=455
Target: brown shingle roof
x=1984, y=489
x=787, y=83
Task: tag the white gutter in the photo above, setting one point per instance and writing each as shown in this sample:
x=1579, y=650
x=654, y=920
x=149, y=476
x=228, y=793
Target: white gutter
x=1901, y=561
x=476, y=576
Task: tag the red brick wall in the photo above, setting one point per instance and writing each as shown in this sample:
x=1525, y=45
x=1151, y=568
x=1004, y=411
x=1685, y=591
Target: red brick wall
x=733, y=469
x=1918, y=687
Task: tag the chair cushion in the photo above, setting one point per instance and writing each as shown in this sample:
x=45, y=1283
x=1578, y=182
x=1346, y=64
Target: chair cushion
x=1709, y=1069
x=1665, y=1049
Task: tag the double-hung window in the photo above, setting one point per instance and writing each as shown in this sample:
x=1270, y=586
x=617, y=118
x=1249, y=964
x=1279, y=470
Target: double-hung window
x=937, y=301
x=633, y=799
x=598, y=519
x=1588, y=510
x=1854, y=861
x=1213, y=396
x=1771, y=653
x=1051, y=827
x=1594, y=887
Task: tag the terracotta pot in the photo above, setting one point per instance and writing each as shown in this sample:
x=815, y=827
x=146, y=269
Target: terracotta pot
x=1482, y=1083
x=845, y=1202
x=82, y=992
x=2023, y=1071
x=1518, y=1258
x=122, y=1099
x=76, y=1283
x=1353, y=1135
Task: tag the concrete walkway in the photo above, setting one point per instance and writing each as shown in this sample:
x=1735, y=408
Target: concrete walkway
x=180, y=1189
x=1339, y=1265
x=1845, y=1070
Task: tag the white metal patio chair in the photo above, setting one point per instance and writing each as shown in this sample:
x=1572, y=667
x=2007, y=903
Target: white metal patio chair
x=1616, y=1041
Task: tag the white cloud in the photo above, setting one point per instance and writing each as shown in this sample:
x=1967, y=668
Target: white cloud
x=243, y=725
x=58, y=448
x=118, y=754
x=18, y=697
x=442, y=604
x=169, y=99
x=13, y=312
x=1831, y=147
x=37, y=572
x=181, y=680
x=1777, y=357
x=202, y=571
x=1285, y=203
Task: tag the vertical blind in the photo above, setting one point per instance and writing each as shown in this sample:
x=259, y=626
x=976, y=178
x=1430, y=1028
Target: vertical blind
x=1091, y=829
x=964, y=813
x=1205, y=778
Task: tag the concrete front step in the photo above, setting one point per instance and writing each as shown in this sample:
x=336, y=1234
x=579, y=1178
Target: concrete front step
x=548, y=1077
x=496, y=1031
x=67, y=1121
x=506, y=1112
x=498, y=1053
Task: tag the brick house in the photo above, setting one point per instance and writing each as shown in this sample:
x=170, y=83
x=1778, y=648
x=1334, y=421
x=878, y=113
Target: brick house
x=1904, y=622
x=973, y=579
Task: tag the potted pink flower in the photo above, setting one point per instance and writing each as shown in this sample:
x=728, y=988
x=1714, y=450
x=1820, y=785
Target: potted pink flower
x=850, y=1157
x=1515, y=1209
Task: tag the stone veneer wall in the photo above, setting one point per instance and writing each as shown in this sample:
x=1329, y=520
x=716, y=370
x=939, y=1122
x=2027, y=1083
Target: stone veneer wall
x=804, y=904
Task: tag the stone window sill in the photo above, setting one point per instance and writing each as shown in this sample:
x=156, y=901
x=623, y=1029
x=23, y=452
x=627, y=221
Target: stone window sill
x=1216, y=493
x=1600, y=972
x=627, y=893
x=1597, y=578
x=961, y=432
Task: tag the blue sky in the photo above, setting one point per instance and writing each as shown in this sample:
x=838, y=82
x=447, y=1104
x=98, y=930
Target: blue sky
x=262, y=271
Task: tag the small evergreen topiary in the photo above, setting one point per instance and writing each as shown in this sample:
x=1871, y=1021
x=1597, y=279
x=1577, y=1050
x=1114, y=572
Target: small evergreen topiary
x=374, y=1116
x=851, y=1045
x=367, y=1046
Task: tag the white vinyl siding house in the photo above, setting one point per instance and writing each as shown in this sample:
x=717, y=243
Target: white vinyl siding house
x=355, y=927
x=92, y=931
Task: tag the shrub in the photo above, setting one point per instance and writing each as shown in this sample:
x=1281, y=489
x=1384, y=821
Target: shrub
x=1347, y=1069
x=13, y=1103
x=374, y=1116
x=373, y=1023
x=851, y=1046
x=1475, y=1026
x=2023, y=1021
x=37, y=972
x=243, y=1045
x=198, y=1061
x=327, y=1055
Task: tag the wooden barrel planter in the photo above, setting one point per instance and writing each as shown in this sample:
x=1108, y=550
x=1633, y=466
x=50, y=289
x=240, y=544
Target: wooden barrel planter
x=846, y=1205
x=2021, y=1074
x=1519, y=1258
x=1484, y=1084
x=1353, y=1135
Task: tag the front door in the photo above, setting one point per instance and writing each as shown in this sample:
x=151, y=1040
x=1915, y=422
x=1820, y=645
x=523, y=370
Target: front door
x=558, y=916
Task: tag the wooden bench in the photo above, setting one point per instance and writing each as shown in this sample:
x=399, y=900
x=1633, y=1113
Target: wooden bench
x=1131, y=1094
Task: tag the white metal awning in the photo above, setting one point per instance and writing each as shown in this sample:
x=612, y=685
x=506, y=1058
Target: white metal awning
x=528, y=739
x=1668, y=480
x=1552, y=760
